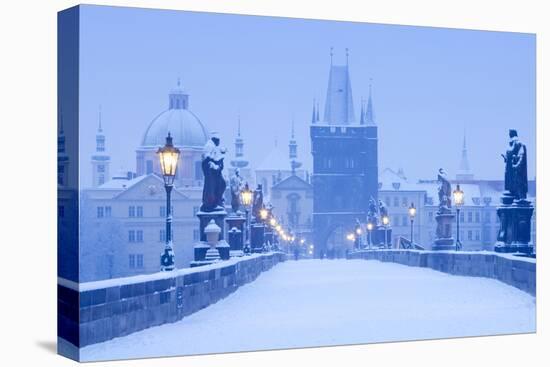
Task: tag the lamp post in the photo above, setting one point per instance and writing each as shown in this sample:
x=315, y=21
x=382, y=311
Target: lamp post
x=412, y=214
x=169, y=156
x=458, y=196
x=358, y=233
x=246, y=200
x=385, y=222
x=369, y=229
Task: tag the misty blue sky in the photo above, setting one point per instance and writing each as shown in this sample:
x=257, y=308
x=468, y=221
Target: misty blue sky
x=429, y=84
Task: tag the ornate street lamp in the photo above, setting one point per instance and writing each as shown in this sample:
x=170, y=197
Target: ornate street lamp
x=412, y=214
x=370, y=226
x=385, y=222
x=169, y=156
x=246, y=200
x=458, y=196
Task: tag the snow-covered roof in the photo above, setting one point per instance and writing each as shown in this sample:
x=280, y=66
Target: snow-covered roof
x=121, y=183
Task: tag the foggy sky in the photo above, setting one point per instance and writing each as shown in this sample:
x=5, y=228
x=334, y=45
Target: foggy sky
x=429, y=84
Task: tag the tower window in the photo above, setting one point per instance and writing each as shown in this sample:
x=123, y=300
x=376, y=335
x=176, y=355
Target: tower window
x=101, y=168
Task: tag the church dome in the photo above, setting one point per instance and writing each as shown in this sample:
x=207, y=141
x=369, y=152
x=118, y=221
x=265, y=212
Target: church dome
x=184, y=126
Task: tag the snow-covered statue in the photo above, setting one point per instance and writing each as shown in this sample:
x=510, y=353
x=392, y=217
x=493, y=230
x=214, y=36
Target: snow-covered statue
x=214, y=181
x=382, y=210
x=515, y=173
x=258, y=202
x=372, y=214
x=236, y=185
x=443, y=191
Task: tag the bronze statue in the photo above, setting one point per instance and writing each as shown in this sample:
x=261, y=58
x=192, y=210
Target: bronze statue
x=214, y=182
x=515, y=172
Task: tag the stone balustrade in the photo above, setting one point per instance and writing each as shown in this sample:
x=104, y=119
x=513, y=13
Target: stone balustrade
x=98, y=311
x=517, y=271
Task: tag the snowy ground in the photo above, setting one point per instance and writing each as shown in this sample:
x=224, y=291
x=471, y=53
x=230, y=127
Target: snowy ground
x=330, y=302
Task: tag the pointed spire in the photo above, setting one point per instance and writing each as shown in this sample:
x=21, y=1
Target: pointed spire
x=99, y=128
x=362, y=120
x=239, y=126
x=292, y=129
x=331, y=54
x=369, y=114
x=339, y=99
x=313, y=114
x=464, y=173
x=317, y=114
x=347, y=56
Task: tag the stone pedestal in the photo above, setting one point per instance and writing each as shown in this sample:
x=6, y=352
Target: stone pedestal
x=444, y=232
x=381, y=236
x=218, y=243
x=235, y=232
x=514, y=234
x=206, y=217
x=257, y=238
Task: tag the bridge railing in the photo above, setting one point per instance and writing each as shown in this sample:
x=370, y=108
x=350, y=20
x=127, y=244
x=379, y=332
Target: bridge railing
x=519, y=272
x=99, y=311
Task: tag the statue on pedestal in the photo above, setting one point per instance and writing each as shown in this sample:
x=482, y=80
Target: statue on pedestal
x=214, y=182
x=443, y=191
x=444, y=216
x=515, y=172
x=515, y=214
x=236, y=185
x=372, y=214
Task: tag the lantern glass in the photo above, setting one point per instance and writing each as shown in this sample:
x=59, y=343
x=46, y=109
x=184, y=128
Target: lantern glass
x=458, y=196
x=386, y=220
x=369, y=226
x=168, y=157
x=273, y=222
x=412, y=211
x=246, y=196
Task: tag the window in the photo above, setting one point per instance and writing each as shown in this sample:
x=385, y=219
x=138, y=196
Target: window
x=61, y=211
x=139, y=261
x=477, y=235
x=139, y=211
x=462, y=217
x=196, y=235
x=60, y=174
x=162, y=235
x=430, y=216
x=388, y=201
x=100, y=212
x=469, y=235
x=132, y=261
x=405, y=220
x=101, y=168
x=404, y=201
x=477, y=217
x=131, y=211
x=149, y=167
x=139, y=235
x=162, y=211
x=131, y=236
x=469, y=217
x=108, y=211
x=101, y=179
x=396, y=201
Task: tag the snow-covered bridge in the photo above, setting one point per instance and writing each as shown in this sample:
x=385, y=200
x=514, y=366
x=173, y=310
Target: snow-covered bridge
x=326, y=302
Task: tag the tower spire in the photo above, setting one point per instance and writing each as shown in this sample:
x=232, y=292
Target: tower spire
x=362, y=119
x=239, y=126
x=292, y=144
x=99, y=128
x=369, y=114
x=331, y=54
x=313, y=114
x=464, y=172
